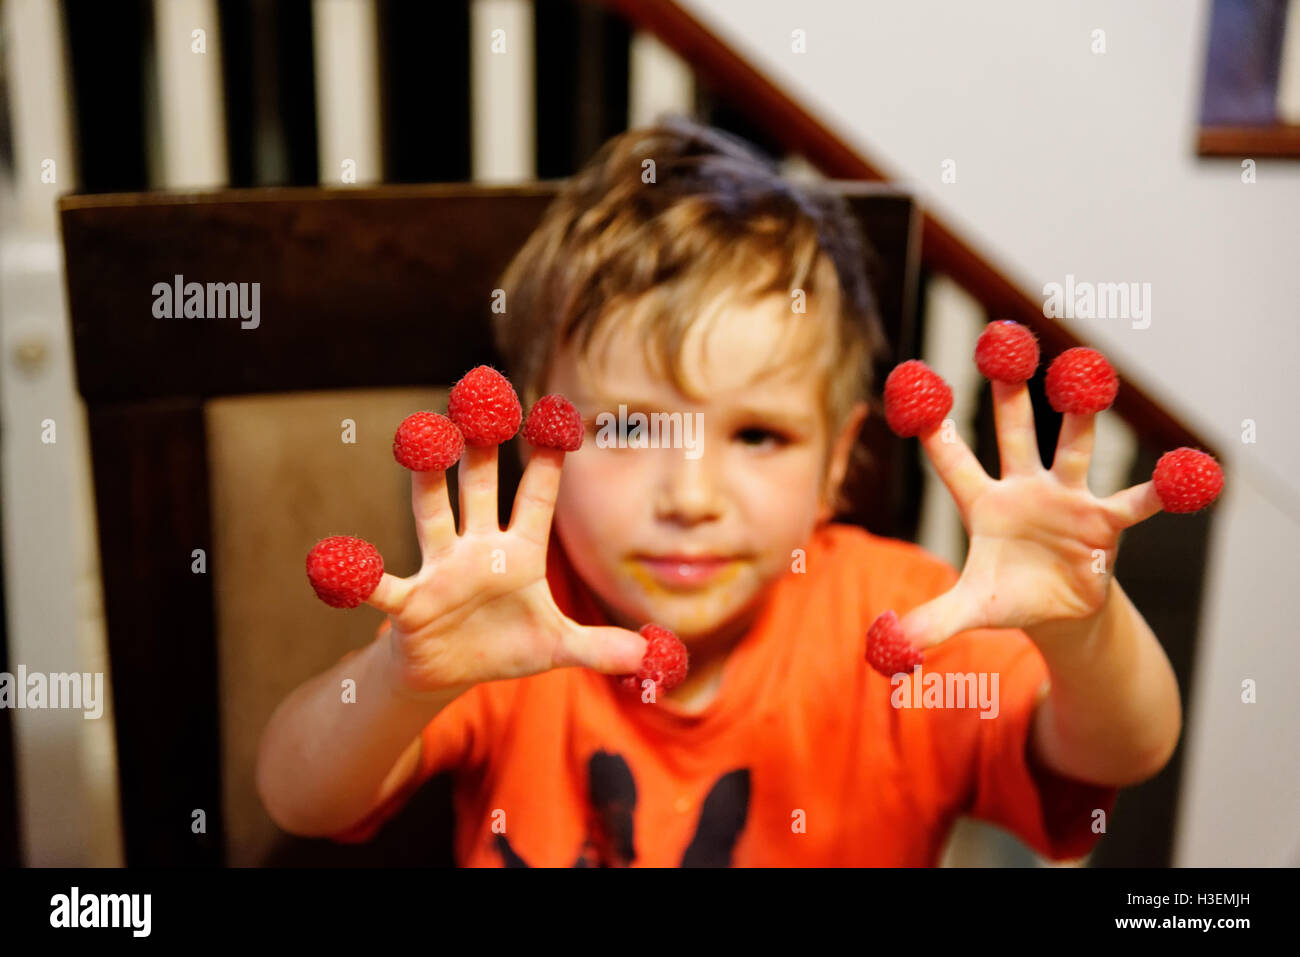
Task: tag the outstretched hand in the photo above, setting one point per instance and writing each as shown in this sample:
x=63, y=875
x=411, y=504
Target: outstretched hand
x=480, y=608
x=1042, y=546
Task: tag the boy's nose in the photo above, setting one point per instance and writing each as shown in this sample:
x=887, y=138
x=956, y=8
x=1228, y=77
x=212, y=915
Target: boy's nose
x=689, y=492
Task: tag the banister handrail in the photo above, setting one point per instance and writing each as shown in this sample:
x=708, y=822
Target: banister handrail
x=798, y=130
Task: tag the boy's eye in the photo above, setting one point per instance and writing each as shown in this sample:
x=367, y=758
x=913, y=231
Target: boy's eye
x=757, y=435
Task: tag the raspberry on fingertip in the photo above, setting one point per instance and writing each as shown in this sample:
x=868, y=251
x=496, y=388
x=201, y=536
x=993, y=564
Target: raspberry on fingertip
x=1081, y=381
x=428, y=442
x=916, y=398
x=344, y=570
x=1187, y=480
x=485, y=408
x=1006, y=351
x=554, y=423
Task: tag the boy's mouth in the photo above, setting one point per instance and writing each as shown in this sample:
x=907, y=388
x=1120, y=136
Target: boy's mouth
x=685, y=571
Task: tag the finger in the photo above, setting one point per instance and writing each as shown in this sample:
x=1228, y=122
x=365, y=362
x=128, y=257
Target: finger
x=1013, y=413
x=1133, y=505
x=477, y=475
x=611, y=651
x=940, y=618
x=390, y=594
x=956, y=465
x=535, y=500
x=435, y=523
x=1074, y=449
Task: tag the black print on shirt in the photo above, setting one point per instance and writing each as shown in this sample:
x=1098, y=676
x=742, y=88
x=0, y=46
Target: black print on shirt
x=611, y=841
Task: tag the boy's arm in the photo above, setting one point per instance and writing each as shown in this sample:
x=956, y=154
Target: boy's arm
x=324, y=763
x=1110, y=712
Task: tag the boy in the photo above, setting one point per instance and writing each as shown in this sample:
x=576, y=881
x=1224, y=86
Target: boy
x=672, y=293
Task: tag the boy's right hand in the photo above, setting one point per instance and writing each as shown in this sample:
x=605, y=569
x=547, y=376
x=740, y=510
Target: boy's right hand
x=480, y=608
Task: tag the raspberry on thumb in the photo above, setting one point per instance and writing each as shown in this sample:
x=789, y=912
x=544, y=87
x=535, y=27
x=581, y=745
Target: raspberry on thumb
x=665, y=662
x=1006, y=351
x=344, y=570
x=888, y=650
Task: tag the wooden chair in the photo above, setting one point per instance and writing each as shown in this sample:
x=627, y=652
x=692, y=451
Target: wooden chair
x=219, y=458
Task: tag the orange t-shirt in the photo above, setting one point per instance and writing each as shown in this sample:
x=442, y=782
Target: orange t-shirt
x=801, y=759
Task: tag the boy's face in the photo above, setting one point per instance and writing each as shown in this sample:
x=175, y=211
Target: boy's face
x=690, y=537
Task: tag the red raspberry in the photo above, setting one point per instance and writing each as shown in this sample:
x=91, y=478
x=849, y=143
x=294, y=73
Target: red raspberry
x=484, y=407
x=344, y=571
x=553, y=423
x=1187, y=480
x=665, y=662
x=916, y=398
x=1081, y=381
x=888, y=650
x=1006, y=352
x=428, y=442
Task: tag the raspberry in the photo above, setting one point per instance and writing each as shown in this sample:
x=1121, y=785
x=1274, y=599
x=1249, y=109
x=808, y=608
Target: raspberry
x=553, y=423
x=888, y=650
x=1006, y=352
x=1081, y=381
x=484, y=407
x=344, y=571
x=665, y=662
x=428, y=442
x=916, y=398
x=1187, y=480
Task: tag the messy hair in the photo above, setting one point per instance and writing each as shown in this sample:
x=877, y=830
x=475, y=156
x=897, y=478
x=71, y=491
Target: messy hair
x=662, y=220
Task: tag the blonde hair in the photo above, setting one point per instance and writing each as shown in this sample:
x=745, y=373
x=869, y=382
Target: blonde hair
x=663, y=220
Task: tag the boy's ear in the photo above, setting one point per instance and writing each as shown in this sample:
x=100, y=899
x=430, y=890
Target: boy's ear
x=838, y=463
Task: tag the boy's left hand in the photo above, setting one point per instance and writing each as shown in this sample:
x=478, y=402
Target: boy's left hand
x=1042, y=546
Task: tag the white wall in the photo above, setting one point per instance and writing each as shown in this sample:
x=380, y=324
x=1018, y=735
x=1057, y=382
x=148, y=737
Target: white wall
x=66, y=766
x=1074, y=162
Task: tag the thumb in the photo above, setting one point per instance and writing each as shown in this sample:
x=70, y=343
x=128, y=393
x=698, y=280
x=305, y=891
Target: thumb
x=612, y=651
x=939, y=619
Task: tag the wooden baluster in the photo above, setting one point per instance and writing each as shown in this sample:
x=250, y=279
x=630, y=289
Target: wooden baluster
x=347, y=92
x=659, y=81
x=503, y=117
